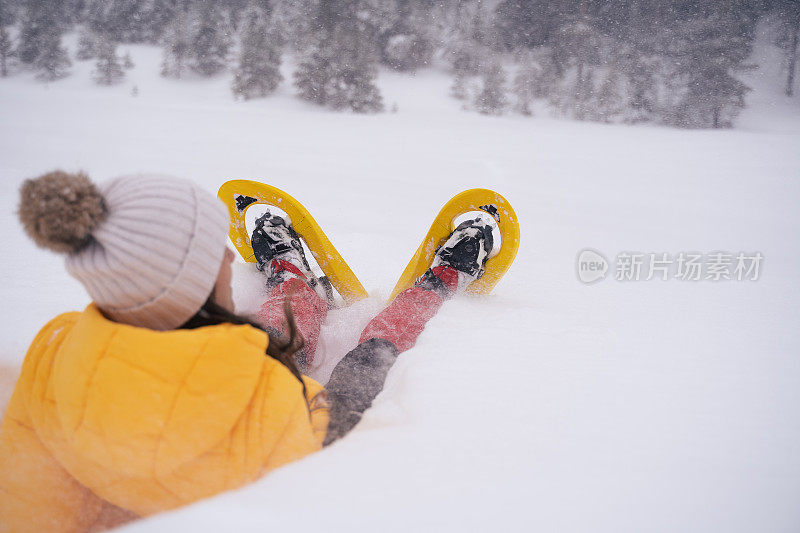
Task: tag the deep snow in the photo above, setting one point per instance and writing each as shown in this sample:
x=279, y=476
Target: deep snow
x=549, y=405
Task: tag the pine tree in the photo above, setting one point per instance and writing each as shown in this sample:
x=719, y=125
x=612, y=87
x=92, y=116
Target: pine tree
x=39, y=28
x=713, y=100
x=610, y=100
x=458, y=89
x=467, y=56
x=465, y=52
x=707, y=51
x=492, y=98
x=546, y=82
x=313, y=75
x=407, y=52
x=339, y=67
x=528, y=23
x=176, y=47
x=576, y=45
x=39, y=43
x=788, y=39
x=535, y=78
x=582, y=101
x=87, y=42
x=74, y=12
x=159, y=17
x=295, y=20
x=337, y=75
x=129, y=20
x=384, y=17
x=108, y=69
x=5, y=51
x=402, y=30
x=523, y=88
x=355, y=89
x=258, y=73
x=576, y=55
x=52, y=61
x=127, y=61
x=210, y=40
x=7, y=13
x=640, y=71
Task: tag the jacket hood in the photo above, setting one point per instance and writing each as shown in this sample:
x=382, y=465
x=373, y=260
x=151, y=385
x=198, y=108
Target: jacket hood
x=140, y=402
x=148, y=420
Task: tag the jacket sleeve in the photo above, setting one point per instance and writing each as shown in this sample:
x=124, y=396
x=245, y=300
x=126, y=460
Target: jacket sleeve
x=318, y=408
x=36, y=493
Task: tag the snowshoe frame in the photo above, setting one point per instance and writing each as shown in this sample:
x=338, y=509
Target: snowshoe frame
x=238, y=195
x=470, y=200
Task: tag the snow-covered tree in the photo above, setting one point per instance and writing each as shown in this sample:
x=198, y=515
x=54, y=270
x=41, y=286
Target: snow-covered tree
x=176, y=47
x=788, y=38
x=161, y=14
x=130, y=20
x=581, y=103
x=523, y=89
x=258, y=72
x=528, y=23
x=87, y=43
x=407, y=52
x=197, y=38
x=610, y=99
x=535, y=78
x=339, y=67
x=52, y=61
x=401, y=30
x=336, y=74
x=492, y=100
x=577, y=45
x=481, y=29
x=468, y=57
x=39, y=40
x=712, y=100
x=576, y=50
x=296, y=22
x=210, y=39
x=8, y=13
x=108, y=69
x=459, y=88
x=40, y=28
x=6, y=48
x=465, y=50
x=127, y=61
x=640, y=72
x=377, y=20
x=707, y=51
x=314, y=75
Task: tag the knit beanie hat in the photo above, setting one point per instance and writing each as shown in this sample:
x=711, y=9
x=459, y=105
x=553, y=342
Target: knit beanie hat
x=147, y=248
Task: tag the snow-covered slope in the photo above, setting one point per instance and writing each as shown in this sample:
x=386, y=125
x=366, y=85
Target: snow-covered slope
x=549, y=405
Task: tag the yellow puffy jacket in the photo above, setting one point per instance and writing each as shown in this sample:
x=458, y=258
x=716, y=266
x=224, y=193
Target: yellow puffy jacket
x=106, y=414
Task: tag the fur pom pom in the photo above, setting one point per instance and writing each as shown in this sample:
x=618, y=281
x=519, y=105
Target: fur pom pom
x=59, y=210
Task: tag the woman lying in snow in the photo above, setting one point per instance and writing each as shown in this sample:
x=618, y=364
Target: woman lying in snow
x=157, y=394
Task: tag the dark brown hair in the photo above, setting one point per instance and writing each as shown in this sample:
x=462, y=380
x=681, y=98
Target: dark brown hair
x=280, y=348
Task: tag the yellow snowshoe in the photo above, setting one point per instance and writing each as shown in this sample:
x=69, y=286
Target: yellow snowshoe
x=466, y=202
x=239, y=195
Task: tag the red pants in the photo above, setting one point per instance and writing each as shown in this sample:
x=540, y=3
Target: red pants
x=359, y=376
x=400, y=323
